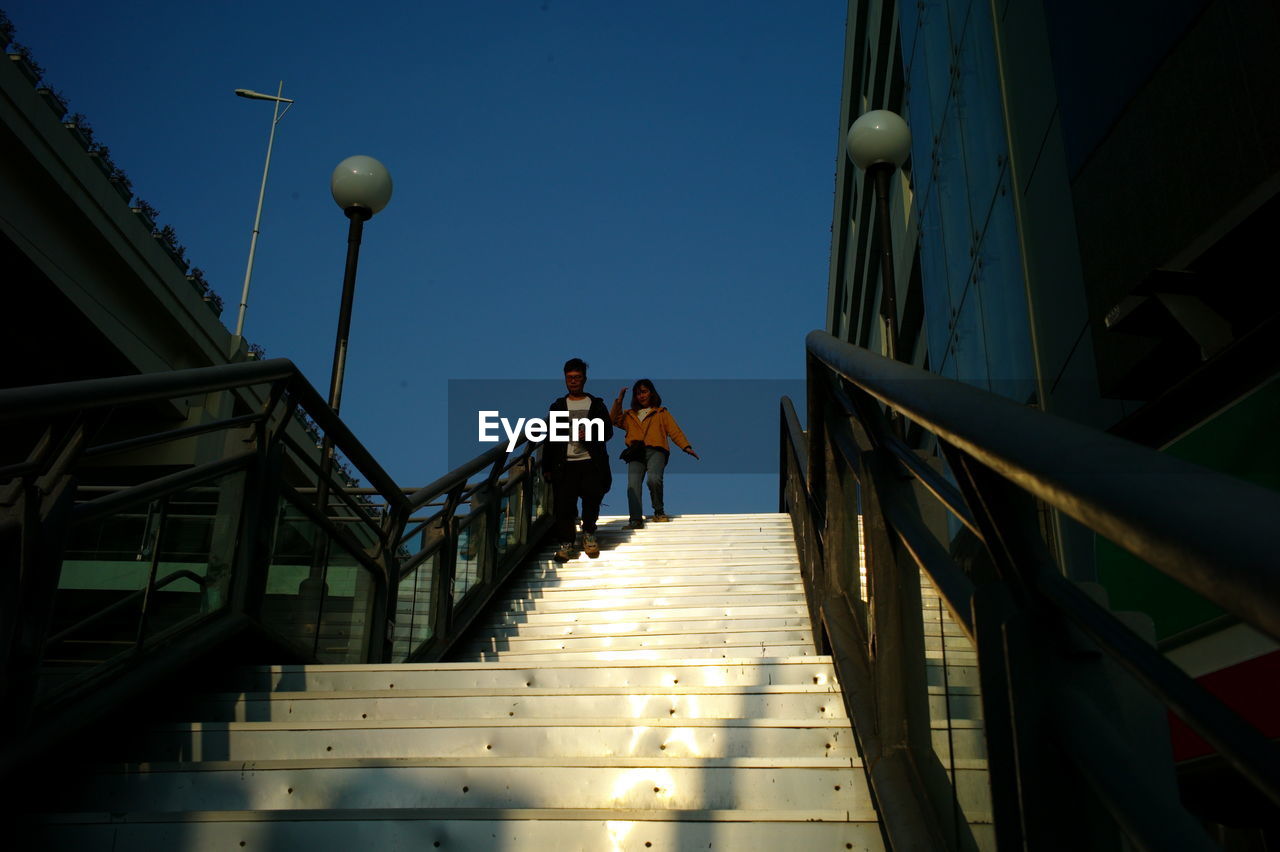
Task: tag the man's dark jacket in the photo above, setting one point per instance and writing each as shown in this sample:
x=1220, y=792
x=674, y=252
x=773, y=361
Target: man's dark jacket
x=554, y=452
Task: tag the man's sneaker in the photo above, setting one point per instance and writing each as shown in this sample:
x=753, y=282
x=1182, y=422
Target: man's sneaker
x=590, y=546
x=566, y=552
x=661, y=518
x=633, y=525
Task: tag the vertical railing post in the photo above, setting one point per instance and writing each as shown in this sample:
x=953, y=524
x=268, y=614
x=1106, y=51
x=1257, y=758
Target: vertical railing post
x=42, y=518
x=896, y=625
x=260, y=524
x=392, y=531
x=1010, y=729
x=815, y=477
x=148, y=593
x=442, y=581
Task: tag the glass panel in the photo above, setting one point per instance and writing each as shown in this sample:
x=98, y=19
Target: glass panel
x=908, y=27
x=953, y=205
x=918, y=105
x=512, y=528
x=318, y=596
x=955, y=716
x=291, y=603
x=968, y=346
x=1005, y=319
x=347, y=612
x=413, y=608
x=541, y=495
x=197, y=553
x=933, y=283
x=936, y=41
x=97, y=608
x=980, y=115
x=470, y=549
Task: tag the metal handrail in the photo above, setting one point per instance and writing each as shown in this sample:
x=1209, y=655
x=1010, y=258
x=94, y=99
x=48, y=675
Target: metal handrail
x=41, y=502
x=1003, y=455
x=180, y=574
x=1119, y=489
x=460, y=475
x=44, y=401
x=174, y=435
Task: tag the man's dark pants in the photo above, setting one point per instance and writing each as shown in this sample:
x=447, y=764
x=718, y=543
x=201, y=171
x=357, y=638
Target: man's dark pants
x=577, y=480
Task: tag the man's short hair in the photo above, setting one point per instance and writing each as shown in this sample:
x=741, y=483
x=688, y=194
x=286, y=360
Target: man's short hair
x=575, y=365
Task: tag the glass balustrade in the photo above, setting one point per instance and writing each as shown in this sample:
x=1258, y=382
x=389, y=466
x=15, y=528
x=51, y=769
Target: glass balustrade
x=139, y=573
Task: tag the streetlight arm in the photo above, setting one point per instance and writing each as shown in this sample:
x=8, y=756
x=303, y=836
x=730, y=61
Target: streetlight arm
x=260, y=96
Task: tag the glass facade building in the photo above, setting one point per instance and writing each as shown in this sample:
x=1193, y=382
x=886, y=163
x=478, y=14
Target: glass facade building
x=1085, y=225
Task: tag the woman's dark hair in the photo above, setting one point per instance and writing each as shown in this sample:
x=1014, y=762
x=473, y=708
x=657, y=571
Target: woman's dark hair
x=655, y=401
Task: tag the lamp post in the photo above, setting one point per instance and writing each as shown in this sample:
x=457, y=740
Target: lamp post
x=262, y=190
x=361, y=186
x=878, y=143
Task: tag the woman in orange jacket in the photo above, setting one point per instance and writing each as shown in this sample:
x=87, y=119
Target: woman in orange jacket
x=648, y=426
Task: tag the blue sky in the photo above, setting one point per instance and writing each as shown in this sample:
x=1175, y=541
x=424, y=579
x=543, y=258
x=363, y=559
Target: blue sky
x=648, y=186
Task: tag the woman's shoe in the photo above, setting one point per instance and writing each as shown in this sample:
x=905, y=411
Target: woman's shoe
x=590, y=546
x=566, y=552
x=633, y=525
x=661, y=518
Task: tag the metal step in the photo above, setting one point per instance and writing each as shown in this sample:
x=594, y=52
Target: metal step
x=628, y=639
x=606, y=596
x=668, y=560
x=545, y=566
x=544, y=738
x=648, y=628
x=578, y=782
x=652, y=603
x=693, y=613
x=790, y=701
x=646, y=580
x=333, y=830
x=565, y=675
x=721, y=653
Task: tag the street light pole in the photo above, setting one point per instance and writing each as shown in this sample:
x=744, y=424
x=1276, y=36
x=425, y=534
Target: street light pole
x=878, y=143
x=361, y=186
x=880, y=174
x=358, y=216
x=262, y=190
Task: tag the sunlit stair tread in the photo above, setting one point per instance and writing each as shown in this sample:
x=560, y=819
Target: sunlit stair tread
x=676, y=638
x=502, y=737
x=655, y=627
x=693, y=704
x=499, y=782
x=656, y=602
x=643, y=581
x=563, y=673
x=506, y=618
x=668, y=588
x=717, y=653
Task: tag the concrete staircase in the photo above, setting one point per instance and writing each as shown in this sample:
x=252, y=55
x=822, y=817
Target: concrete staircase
x=664, y=696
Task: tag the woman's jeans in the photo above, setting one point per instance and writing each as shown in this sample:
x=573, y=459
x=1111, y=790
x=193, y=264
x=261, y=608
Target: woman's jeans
x=655, y=462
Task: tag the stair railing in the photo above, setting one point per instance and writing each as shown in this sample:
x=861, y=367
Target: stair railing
x=222, y=530
x=454, y=560
x=1072, y=701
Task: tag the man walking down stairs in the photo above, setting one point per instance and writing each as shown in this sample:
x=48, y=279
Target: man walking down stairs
x=664, y=696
